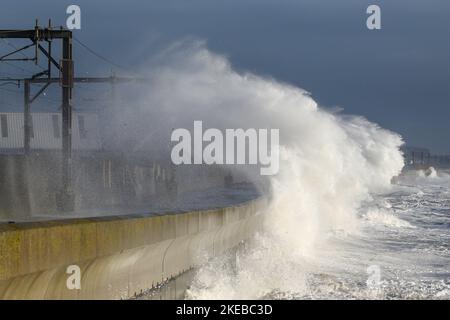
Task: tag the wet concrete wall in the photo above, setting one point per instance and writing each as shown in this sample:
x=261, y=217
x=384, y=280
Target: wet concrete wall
x=118, y=257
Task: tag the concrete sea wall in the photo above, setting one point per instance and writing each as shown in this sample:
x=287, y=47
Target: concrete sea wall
x=119, y=257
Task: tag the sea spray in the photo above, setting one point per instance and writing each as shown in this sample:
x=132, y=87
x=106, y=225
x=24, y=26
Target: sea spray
x=329, y=164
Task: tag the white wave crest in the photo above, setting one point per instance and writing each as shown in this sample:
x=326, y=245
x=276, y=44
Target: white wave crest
x=329, y=164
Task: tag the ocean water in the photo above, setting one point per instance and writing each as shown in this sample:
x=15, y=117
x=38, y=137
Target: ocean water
x=400, y=251
x=336, y=226
x=405, y=236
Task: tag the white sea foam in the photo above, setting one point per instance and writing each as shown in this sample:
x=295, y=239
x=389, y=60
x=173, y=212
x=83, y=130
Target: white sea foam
x=330, y=164
x=332, y=212
x=387, y=218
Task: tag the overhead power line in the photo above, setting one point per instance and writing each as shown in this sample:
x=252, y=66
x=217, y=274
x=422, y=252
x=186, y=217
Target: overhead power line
x=23, y=54
x=11, y=90
x=98, y=55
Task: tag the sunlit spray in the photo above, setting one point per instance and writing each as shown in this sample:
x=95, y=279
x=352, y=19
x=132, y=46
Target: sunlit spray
x=329, y=163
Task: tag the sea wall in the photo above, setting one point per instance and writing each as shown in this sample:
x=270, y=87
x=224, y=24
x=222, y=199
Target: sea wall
x=118, y=257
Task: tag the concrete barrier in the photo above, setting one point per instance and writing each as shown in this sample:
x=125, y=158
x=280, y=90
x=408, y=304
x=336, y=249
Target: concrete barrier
x=119, y=257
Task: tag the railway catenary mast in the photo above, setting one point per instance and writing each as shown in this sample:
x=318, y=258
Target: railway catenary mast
x=65, y=67
x=66, y=79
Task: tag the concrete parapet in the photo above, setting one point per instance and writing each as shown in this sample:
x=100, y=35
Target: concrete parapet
x=119, y=257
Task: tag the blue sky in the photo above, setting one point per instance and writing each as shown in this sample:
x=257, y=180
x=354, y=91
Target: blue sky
x=398, y=76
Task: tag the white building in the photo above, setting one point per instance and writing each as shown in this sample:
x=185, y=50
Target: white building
x=46, y=133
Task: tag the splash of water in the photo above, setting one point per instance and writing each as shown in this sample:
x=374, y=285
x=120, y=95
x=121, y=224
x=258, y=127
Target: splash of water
x=330, y=164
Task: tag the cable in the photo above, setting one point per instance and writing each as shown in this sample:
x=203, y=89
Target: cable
x=10, y=90
x=20, y=52
x=17, y=67
x=99, y=55
x=21, y=93
x=14, y=47
x=11, y=75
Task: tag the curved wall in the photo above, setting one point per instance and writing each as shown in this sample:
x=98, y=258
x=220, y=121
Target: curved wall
x=119, y=257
